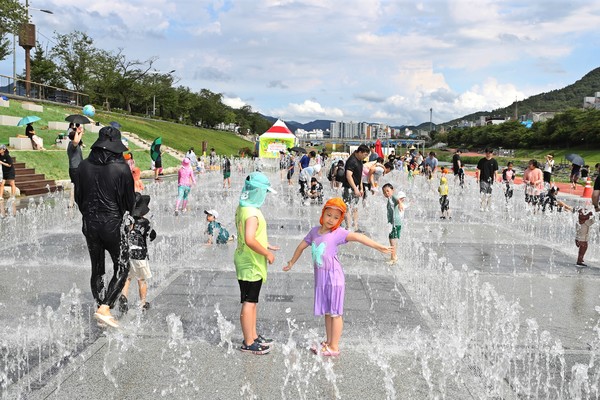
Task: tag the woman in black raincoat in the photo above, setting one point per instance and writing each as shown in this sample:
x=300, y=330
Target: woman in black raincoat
x=104, y=191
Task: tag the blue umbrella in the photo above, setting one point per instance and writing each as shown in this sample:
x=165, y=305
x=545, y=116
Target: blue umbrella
x=28, y=120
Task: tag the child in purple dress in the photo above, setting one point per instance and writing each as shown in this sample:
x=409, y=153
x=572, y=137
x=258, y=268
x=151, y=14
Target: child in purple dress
x=330, y=283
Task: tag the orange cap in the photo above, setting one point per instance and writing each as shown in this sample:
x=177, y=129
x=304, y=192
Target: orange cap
x=338, y=204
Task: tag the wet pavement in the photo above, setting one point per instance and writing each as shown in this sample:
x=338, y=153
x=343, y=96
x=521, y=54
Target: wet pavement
x=405, y=332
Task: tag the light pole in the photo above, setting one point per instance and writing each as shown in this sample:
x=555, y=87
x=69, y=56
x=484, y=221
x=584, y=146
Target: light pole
x=154, y=91
x=27, y=41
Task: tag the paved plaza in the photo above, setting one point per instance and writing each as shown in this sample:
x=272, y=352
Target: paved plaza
x=432, y=326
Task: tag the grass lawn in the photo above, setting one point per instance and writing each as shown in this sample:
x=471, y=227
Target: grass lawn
x=54, y=163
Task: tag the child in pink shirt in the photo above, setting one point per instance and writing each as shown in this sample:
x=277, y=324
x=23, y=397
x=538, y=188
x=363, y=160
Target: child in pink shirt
x=184, y=184
x=534, y=181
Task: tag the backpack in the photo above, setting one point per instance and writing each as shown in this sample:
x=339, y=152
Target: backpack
x=330, y=173
x=223, y=236
x=340, y=174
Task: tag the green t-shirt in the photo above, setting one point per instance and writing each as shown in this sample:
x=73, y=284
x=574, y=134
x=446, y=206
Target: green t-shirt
x=394, y=215
x=249, y=265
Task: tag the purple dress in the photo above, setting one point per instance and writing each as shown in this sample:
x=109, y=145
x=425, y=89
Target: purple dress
x=330, y=283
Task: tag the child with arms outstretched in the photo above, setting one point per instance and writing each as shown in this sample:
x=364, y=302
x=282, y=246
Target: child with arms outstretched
x=330, y=283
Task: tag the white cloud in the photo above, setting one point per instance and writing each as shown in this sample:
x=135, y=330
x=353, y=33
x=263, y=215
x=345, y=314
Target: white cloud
x=308, y=109
x=373, y=59
x=234, y=102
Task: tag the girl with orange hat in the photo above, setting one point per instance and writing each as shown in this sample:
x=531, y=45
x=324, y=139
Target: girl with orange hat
x=330, y=283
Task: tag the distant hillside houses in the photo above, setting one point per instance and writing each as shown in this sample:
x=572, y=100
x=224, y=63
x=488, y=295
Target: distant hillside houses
x=592, y=102
x=227, y=127
x=313, y=134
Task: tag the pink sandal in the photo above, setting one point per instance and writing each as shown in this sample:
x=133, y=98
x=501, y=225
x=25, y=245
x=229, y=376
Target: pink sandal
x=315, y=347
x=327, y=352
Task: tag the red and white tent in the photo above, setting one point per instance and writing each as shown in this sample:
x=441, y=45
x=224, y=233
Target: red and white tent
x=279, y=129
x=276, y=138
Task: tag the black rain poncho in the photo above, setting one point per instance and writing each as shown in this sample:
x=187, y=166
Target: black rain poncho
x=104, y=191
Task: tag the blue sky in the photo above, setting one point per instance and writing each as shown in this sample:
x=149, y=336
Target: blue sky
x=350, y=60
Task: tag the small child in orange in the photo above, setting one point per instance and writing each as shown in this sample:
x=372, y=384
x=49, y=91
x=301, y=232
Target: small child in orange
x=138, y=185
x=585, y=219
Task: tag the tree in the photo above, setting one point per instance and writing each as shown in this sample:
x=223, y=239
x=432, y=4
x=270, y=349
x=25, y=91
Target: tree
x=12, y=16
x=74, y=53
x=210, y=109
x=5, y=48
x=130, y=74
x=43, y=69
x=104, y=78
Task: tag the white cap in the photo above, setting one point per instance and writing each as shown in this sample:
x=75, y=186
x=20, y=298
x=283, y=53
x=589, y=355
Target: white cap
x=401, y=195
x=214, y=213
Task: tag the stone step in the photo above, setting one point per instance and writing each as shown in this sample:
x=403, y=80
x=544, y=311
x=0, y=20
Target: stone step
x=44, y=190
x=28, y=177
x=24, y=171
x=35, y=184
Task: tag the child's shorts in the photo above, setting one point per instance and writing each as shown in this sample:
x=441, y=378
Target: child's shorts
x=249, y=291
x=139, y=269
x=183, y=192
x=395, y=233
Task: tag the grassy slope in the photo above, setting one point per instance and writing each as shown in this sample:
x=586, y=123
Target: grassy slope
x=54, y=163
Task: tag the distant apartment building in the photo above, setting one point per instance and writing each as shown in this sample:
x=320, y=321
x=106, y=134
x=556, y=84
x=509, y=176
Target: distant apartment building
x=592, y=102
x=487, y=120
x=361, y=130
x=348, y=130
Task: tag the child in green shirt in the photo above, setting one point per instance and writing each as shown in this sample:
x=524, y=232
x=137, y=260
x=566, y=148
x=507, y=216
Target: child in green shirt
x=251, y=257
x=395, y=214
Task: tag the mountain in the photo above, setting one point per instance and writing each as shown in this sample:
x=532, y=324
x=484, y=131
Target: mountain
x=555, y=100
x=322, y=124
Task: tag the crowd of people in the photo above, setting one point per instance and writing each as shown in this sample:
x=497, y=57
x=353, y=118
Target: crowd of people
x=109, y=194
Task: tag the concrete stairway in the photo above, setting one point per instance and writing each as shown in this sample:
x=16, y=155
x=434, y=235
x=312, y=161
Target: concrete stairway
x=30, y=183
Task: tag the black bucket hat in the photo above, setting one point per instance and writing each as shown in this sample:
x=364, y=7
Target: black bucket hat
x=141, y=205
x=109, y=138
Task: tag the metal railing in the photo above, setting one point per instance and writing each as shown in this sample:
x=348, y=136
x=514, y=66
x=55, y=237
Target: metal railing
x=38, y=91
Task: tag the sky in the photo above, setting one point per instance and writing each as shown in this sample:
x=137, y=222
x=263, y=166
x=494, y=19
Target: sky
x=345, y=60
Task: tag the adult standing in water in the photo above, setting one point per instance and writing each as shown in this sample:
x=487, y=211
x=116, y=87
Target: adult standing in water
x=104, y=193
x=487, y=169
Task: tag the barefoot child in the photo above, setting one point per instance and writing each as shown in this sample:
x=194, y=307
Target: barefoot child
x=585, y=219
x=395, y=215
x=251, y=257
x=138, y=252
x=329, y=275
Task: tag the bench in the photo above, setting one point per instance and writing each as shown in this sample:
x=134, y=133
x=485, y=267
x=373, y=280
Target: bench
x=7, y=120
x=58, y=126
x=92, y=128
x=32, y=107
x=19, y=143
x=62, y=143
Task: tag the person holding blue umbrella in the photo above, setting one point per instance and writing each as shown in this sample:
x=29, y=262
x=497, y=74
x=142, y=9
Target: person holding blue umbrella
x=30, y=131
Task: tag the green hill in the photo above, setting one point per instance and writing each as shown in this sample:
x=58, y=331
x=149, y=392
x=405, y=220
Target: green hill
x=556, y=100
x=54, y=164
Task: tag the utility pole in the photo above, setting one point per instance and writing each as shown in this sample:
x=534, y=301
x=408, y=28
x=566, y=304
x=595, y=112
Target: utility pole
x=430, y=120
